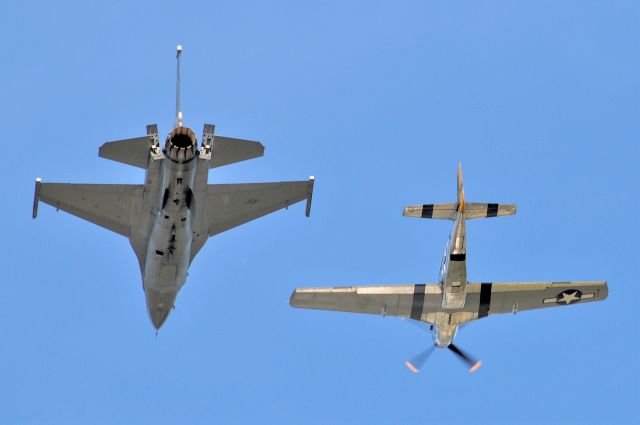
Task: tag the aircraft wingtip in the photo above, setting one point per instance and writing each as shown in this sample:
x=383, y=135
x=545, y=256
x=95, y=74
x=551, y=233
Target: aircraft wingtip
x=36, y=197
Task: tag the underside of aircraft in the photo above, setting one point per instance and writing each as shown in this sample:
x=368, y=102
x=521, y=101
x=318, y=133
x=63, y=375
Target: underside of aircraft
x=452, y=301
x=169, y=218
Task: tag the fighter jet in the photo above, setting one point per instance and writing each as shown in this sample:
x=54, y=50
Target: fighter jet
x=453, y=301
x=169, y=218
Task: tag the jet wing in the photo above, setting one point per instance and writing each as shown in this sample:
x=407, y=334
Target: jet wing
x=230, y=205
x=111, y=206
x=424, y=302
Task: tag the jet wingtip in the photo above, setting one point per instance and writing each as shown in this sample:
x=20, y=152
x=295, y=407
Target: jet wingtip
x=312, y=181
x=36, y=197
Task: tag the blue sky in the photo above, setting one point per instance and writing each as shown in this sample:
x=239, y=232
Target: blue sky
x=540, y=100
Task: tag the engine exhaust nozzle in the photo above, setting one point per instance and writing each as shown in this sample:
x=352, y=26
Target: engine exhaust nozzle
x=181, y=144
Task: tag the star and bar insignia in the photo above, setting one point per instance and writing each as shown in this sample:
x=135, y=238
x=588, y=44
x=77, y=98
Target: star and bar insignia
x=570, y=296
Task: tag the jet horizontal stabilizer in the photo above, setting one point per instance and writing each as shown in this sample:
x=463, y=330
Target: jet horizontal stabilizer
x=128, y=151
x=227, y=150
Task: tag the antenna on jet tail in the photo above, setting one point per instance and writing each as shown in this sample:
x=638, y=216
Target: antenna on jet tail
x=178, y=106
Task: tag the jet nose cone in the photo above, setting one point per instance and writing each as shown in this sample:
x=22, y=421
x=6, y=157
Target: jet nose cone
x=159, y=306
x=158, y=316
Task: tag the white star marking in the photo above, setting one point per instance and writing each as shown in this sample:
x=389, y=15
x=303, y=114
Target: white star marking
x=567, y=298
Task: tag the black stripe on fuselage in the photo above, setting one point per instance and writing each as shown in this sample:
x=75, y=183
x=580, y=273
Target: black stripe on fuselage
x=485, y=300
x=427, y=211
x=458, y=257
x=492, y=210
x=417, y=304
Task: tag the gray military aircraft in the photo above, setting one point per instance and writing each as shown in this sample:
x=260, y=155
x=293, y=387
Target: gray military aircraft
x=169, y=218
x=453, y=301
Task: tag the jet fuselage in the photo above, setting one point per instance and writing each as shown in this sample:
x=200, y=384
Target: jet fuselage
x=169, y=250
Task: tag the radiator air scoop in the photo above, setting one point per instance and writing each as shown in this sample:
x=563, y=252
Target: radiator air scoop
x=181, y=145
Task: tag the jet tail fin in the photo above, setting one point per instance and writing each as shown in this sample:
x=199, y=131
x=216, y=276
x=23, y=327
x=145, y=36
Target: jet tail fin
x=178, y=122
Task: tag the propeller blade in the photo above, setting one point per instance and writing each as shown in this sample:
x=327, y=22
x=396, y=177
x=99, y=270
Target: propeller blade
x=470, y=361
x=416, y=363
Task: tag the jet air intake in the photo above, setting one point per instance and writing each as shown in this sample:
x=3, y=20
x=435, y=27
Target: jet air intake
x=181, y=145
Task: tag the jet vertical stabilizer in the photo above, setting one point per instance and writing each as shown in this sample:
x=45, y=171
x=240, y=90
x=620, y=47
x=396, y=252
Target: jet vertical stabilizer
x=178, y=105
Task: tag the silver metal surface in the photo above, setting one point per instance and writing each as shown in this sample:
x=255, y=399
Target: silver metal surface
x=452, y=301
x=169, y=218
